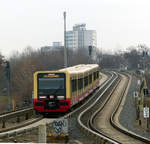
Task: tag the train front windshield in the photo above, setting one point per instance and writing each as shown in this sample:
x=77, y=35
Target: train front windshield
x=51, y=85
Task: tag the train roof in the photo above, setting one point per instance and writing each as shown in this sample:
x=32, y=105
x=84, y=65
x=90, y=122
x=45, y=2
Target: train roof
x=82, y=68
x=77, y=69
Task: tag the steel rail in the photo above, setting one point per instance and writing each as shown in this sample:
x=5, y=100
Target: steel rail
x=91, y=120
x=101, y=136
x=17, y=109
x=14, y=113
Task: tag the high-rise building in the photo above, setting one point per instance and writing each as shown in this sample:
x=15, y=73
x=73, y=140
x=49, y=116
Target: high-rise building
x=79, y=37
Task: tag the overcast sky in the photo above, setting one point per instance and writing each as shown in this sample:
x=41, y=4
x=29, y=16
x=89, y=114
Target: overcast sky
x=119, y=23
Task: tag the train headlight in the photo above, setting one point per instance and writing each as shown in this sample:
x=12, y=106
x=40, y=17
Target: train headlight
x=51, y=96
x=61, y=97
x=42, y=97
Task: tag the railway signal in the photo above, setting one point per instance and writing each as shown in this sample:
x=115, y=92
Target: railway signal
x=8, y=70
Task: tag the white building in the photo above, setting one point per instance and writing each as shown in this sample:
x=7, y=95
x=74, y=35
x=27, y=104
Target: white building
x=79, y=37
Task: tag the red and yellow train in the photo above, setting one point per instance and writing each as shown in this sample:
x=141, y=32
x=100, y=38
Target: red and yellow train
x=58, y=91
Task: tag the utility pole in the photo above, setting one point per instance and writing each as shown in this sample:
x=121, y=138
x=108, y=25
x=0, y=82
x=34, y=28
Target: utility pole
x=65, y=49
x=8, y=83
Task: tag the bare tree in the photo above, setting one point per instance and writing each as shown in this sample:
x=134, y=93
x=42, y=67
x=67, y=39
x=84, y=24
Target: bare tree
x=2, y=75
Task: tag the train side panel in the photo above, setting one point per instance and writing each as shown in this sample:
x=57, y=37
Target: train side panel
x=80, y=94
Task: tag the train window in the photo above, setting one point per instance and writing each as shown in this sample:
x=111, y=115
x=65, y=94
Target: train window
x=51, y=84
x=97, y=73
x=80, y=83
x=90, y=78
x=74, y=85
x=85, y=81
x=95, y=76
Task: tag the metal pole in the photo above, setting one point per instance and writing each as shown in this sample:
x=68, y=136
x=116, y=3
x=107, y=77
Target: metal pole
x=65, y=49
x=9, y=99
x=8, y=83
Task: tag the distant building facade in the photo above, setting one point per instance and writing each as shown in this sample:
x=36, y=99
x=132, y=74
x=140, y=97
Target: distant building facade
x=79, y=37
x=55, y=46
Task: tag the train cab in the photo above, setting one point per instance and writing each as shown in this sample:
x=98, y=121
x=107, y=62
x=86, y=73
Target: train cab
x=50, y=92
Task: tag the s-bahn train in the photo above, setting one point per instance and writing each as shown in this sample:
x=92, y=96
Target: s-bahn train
x=59, y=91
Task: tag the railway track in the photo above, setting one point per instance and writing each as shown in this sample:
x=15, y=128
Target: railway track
x=88, y=123
x=102, y=123
x=17, y=109
x=16, y=119
x=86, y=116
x=13, y=133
